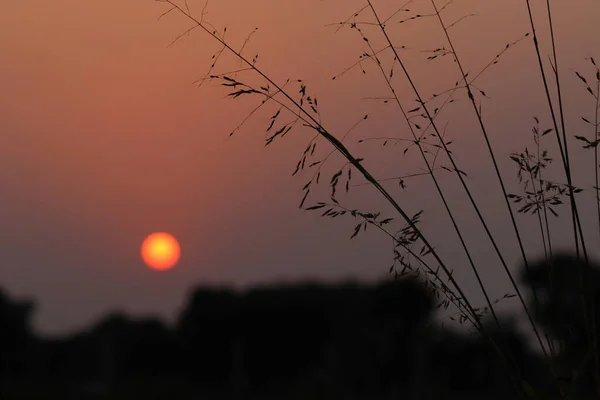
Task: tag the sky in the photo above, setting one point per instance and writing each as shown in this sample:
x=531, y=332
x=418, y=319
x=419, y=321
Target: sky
x=105, y=138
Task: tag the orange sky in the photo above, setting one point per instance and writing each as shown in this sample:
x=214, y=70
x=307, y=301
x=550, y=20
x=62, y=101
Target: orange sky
x=104, y=139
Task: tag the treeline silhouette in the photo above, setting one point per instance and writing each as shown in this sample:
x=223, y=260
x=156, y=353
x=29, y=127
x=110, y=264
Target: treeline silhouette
x=316, y=341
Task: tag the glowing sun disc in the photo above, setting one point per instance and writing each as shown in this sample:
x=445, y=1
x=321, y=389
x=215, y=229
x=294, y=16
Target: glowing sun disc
x=160, y=251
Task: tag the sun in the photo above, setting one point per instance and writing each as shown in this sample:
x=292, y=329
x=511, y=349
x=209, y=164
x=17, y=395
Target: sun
x=160, y=251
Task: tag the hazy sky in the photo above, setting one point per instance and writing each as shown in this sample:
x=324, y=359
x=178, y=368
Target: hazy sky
x=104, y=139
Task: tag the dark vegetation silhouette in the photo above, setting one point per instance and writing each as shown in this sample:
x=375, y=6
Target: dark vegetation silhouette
x=300, y=341
x=425, y=113
x=567, y=290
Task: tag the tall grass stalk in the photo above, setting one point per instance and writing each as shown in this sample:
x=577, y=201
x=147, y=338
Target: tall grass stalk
x=540, y=200
x=311, y=122
x=587, y=292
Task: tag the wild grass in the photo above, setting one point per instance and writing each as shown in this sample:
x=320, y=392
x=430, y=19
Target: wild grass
x=414, y=250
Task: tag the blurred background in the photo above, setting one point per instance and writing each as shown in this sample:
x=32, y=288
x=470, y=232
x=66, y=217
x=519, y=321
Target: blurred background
x=105, y=138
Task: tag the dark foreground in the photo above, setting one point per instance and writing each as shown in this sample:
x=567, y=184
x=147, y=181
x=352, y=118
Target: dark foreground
x=295, y=342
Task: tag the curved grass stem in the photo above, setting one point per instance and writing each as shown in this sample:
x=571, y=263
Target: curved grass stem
x=339, y=146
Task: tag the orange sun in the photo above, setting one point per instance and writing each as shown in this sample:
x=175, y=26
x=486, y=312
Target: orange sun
x=160, y=251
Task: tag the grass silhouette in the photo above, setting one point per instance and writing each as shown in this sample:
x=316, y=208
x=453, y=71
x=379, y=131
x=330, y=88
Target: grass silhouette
x=414, y=251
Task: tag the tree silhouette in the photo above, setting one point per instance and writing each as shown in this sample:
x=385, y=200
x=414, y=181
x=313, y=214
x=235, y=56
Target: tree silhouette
x=207, y=328
x=567, y=290
x=309, y=340
x=16, y=338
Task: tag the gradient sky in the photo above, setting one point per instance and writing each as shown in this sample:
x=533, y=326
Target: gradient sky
x=104, y=139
